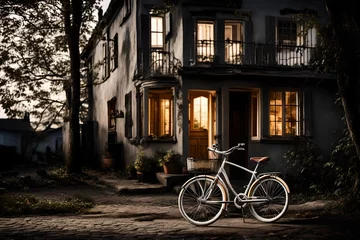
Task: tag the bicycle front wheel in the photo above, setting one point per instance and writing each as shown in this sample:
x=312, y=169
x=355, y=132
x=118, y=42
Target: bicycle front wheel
x=277, y=199
x=199, y=204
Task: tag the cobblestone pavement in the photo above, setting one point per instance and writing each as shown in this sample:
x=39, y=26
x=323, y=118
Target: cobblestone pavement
x=156, y=216
x=162, y=220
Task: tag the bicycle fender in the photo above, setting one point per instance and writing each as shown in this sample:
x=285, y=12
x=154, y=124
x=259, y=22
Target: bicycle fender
x=212, y=177
x=270, y=176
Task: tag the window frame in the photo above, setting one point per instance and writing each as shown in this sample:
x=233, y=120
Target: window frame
x=300, y=111
x=212, y=48
x=145, y=109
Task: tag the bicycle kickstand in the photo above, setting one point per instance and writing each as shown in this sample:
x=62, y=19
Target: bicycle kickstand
x=242, y=211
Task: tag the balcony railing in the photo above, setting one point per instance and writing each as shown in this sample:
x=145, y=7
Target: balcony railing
x=241, y=53
x=162, y=62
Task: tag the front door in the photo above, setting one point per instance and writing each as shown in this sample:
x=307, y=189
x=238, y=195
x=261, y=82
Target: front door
x=239, y=130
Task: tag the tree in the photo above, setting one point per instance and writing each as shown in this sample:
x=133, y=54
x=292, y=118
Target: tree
x=40, y=61
x=345, y=25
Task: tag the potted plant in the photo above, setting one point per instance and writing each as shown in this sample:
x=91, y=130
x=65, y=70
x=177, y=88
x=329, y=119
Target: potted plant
x=108, y=161
x=145, y=167
x=170, y=162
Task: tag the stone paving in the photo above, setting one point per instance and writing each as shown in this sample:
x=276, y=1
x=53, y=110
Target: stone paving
x=146, y=215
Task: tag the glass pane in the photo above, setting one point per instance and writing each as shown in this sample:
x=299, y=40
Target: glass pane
x=200, y=114
x=272, y=128
x=290, y=98
x=278, y=129
x=156, y=24
x=272, y=114
x=272, y=98
x=278, y=114
x=278, y=98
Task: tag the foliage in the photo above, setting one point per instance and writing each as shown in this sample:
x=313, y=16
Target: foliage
x=169, y=156
x=29, y=204
x=144, y=163
x=34, y=59
x=305, y=167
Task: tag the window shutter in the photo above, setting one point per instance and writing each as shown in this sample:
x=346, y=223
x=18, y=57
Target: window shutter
x=270, y=40
x=249, y=45
x=128, y=115
x=168, y=28
x=145, y=42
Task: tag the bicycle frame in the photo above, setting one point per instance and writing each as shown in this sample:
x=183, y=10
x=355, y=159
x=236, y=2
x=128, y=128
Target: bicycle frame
x=222, y=172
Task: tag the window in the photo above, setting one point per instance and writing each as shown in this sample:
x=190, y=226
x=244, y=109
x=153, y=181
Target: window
x=114, y=52
x=285, y=114
x=233, y=42
x=157, y=32
x=205, y=41
x=111, y=115
x=128, y=115
x=200, y=113
x=287, y=32
x=160, y=115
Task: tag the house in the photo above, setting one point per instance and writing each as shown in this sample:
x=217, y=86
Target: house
x=185, y=74
x=51, y=138
x=15, y=136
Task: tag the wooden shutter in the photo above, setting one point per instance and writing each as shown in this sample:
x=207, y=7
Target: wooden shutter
x=249, y=45
x=145, y=42
x=270, y=41
x=128, y=115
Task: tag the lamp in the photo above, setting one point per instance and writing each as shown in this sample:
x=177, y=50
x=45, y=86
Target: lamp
x=119, y=114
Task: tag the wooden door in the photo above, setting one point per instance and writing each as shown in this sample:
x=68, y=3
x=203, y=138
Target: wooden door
x=199, y=125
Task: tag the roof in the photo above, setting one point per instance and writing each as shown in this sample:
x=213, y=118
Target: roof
x=113, y=8
x=15, y=125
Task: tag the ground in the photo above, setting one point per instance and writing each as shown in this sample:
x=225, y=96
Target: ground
x=126, y=209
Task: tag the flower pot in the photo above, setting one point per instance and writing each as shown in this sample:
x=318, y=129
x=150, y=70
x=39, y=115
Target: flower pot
x=108, y=162
x=172, y=168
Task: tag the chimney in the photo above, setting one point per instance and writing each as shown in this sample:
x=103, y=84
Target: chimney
x=26, y=117
x=100, y=14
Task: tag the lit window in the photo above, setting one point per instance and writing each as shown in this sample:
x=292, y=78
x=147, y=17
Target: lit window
x=157, y=32
x=205, y=41
x=284, y=114
x=160, y=116
x=233, y=42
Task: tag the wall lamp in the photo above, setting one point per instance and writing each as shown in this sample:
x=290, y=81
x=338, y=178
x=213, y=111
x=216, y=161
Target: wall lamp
x=119, y=114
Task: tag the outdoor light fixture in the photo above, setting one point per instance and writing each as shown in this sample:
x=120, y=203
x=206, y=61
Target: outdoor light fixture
x=119, y=114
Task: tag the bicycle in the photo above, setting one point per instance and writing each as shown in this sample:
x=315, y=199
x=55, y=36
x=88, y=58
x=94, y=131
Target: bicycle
x=203, y=198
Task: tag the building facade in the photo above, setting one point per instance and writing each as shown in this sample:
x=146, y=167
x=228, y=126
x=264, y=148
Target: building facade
x=183, y=75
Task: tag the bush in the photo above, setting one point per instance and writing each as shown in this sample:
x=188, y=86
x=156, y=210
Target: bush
x=305, y=171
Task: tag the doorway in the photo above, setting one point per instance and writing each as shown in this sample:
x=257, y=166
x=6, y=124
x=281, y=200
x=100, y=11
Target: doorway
x=239, y=125
x=202, y=122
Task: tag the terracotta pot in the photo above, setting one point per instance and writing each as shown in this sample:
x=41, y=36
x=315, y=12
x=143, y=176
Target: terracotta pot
x=108, y=162
x=172, y=168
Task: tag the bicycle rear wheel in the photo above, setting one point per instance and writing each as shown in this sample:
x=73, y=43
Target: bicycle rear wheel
x=277, y=196
x=192, y=204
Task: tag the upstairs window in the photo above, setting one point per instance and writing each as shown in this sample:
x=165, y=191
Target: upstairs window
x=157, y=32
x=285, y=114
x=234, y=38
x=287, y=32
x=205, y=41
x=114, y=52
x=160, y=115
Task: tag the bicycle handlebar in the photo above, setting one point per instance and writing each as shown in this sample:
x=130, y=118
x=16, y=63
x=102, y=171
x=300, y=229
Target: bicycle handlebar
x=226, y=152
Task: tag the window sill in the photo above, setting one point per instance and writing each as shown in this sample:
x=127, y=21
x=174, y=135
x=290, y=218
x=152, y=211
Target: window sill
x=161, y=140
x=281, y=140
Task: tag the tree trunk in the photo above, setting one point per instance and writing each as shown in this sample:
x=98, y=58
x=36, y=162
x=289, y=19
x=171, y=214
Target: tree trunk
x=72, y=12
x=345, y=21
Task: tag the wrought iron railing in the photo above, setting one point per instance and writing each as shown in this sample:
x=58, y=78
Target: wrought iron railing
x=238, y=52
x=162, y=62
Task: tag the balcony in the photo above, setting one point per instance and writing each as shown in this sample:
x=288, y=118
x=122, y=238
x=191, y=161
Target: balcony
x=241, y=53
